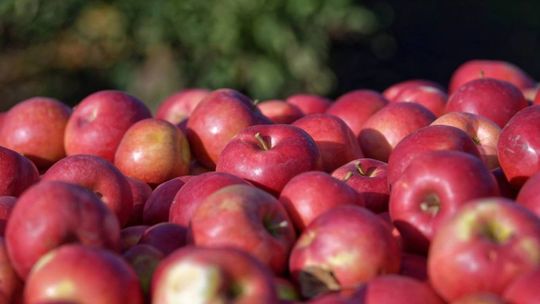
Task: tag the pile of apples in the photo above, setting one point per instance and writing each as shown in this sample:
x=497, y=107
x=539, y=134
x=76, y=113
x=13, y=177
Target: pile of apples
x=413, y=195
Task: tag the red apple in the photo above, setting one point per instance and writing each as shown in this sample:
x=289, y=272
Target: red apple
x=99, y=176
x=348, y=296
x=6, y=205
x=309, y=103
x=387, y=127
x=368, y=177
x=392, y=91
x=99, y=121
x=35, y=128
x=140, y=192
x=10, y=284
x=216, y=120
x=166, y=237
x=529, y=194
x=279, y=111
x=433, y=98
x=144, y=260
x=524, y=289
x=483, y=131
x=53, y=213
x=336, y=142
x=485, y=246
x=82, y=274
x=481, y=298
x=431, y=189
x=269, y=155
x=329, y=257
x=495, y=99
x=396, y=289
x=156, y=208
x=17, y=173
x=248, y=218
x=309, y=194
x=212, y=275
x=130, y=236
x=177, y=107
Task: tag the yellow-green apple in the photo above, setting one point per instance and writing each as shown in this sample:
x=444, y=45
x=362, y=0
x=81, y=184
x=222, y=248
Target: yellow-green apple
x=82, y=274
x=369, y=178
x=17, y=173
x=336, y=142
x=397, y=289
x=392, y=91
x=216, y=120
x=328, y=256
x=524, y=289
x=166, y=237
x=355, y=107
x=99, y=176
x=387, y=127
x=130, y=236
x=35, y=128
x=11, y=285
x=426, y=139
x=495, y=99
x=279, y=111
x=529, y=194
x=484, y=132
x=484, y=247
x=212, y=275
x=188, y=198
x=309, y=103
x=431, y=97
x=431, y=189
x=140, y=192
x=270, y=155
x=177, y=107
x=518, y=148
x=156, y=208
x=52, y=213
x=309, y=194
x=481, y=298
x=99, y=121
x=154, y=151
x=498, y=69
x=144, y=260
x=247, y=218
x=6, y=205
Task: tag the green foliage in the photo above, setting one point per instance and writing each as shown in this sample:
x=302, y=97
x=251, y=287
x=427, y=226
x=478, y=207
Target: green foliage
x=266, y=48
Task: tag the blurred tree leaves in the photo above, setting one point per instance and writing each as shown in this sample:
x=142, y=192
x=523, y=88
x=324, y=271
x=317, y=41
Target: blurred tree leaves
x=266, y=48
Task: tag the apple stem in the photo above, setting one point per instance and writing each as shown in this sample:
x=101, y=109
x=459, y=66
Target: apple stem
x=431, y=205
x=273, y=228
x=262, y=143
x=347, y=176
x=361, y=170
x=482, y=74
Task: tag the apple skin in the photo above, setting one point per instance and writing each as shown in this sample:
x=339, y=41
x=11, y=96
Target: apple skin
x=431, y=97
x=355, y=107
x=188, y=198
x=387, y=127
x=53, y=213
x=328, y=257
x=309, y=194
x=505, y=188
x=35, y=128
x=432, y=188
x=6, y=205
x=166, y=237
x=140, y=192
x=484, y=132
x=144, y=260
x=392, y=91
x=130, y=236
x=426, y=139
x=11, y=285
x=99, y=121
x=154, y=151
x=177, y=107
x=309, y=103
x=270, y=155
x=336, y=142
x=82, y=274
x=524, y=289
x=369, y=178
x=397, y=289
x=495, y=99
x=529, y=194
x=97, y=175
x=485, y=246
x=156, y=208
x=210, y=127
x=17, y=174
x=247, y=218
x=414, y=266
x=279, y=111
x=481, y=298
x=497, y=69
x=518, y=148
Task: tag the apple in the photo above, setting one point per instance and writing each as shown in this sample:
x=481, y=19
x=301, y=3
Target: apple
x=10, y=284
x=431, y=189
x=387, y=127
x=188, y=198
x=505, y=188
x=99, y=121
x=529, y=194
x=397, y=289
x=279, y=111
x=156, y=207
x=431, y=97
x=336, y=142
x=369, y=178
x=77, y=273
x=216, y=120
x=426, y=139
x=269, y=155
x=140, y=192
x=480, y=298
x=177, y=107
x=17, y=173
x=348, y=296
x=154, y=151
x=524, y=289
x=495, y=99
x=329, y=257
x=414, y=266
x=247, y=218
x=166, y=237
x=144, y=260
x=35, y=128
x=484, y=247
x=212, y=275
x=309, y=194
x=309, y=103
x=392, y=91
x=130, y=236
x=484, y=132
x=6, y=205
x=52, y=213
x=99, y=176
x=355, y=107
